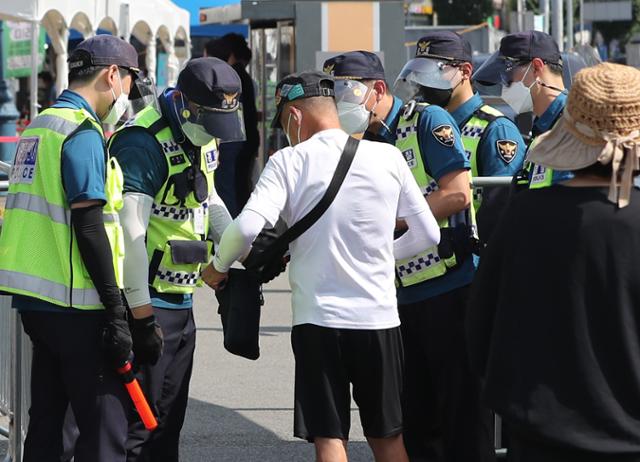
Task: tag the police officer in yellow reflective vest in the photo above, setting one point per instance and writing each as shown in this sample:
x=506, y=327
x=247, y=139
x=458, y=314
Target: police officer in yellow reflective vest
x=529, y=68
x=443, y=420
x=492, y=141
x=170, y=215
x=61, y=257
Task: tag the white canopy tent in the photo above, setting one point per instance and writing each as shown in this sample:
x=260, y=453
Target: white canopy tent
x=146, y=20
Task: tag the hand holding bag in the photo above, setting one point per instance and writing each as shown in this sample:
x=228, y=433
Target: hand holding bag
x=240, y=301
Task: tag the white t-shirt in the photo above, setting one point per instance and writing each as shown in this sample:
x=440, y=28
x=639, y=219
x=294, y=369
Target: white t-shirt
x=342, y=268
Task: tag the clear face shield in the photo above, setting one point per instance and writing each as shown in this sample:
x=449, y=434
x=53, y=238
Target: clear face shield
x=425, y=72
x=351, y=99
x=574, y=61
x=351, y=92
x=497, y=70
x=201, y=124
x=143, y=94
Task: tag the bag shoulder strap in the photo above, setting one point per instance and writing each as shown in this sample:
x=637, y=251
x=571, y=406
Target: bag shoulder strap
x=348, y=153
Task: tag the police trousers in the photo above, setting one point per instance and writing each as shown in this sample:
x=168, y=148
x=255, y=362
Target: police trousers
x=68, y=368
x=166, y=387
x=443, y=418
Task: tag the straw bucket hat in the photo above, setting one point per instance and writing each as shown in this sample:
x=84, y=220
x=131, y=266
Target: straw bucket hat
x=601, y=123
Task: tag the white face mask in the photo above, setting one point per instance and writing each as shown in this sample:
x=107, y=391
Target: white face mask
x=354, y=118
x=196, y=134
x=518, y=95
x=286, y=132
x=119, y=106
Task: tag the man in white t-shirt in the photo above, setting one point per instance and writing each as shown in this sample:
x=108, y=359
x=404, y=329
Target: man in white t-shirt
x=345, y=318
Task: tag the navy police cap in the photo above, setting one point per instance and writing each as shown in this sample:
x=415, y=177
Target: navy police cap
x=210, y=82
x=299, y=86
x=355, y=65
x=104, y=50
x=525, y=46
x=444, y=44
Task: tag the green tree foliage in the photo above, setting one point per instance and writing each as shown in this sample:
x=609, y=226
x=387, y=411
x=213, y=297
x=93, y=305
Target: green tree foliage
x=452, y=12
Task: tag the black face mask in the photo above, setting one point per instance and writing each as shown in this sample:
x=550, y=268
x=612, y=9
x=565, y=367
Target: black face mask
x=435, y=96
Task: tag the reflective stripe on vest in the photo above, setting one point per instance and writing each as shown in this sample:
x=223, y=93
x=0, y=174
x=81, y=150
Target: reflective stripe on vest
x=171, y=220
x=428, y=264
x=37, y=204
x=39, y=256
x=26, y=284
x=472, y=133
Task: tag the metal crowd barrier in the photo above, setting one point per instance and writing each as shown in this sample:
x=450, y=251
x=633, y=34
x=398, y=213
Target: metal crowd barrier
x=15, y=368
x=15, y=360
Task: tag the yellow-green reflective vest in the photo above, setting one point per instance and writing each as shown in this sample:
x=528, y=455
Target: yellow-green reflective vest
x=472, y=133
x=541, y=177
x=39, y=255
x=428, y=264
x=176, y=236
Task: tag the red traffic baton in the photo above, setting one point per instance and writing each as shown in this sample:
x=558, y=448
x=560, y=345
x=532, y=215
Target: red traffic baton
x=137, y=396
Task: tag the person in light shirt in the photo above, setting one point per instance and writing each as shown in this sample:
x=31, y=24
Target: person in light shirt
x=345, y=318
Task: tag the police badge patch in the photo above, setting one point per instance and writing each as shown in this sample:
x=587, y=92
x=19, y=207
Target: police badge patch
x=444, y=135
x=507, y=150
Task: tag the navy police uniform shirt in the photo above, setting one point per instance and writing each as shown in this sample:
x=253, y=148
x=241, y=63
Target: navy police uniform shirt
x=440, y=158
x=493, y=157
x=145, y=171
x=83, y=176
x=543, y=124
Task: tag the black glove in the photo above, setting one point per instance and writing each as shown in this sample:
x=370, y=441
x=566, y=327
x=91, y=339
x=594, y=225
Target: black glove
x=116, y=336
x=147, y=340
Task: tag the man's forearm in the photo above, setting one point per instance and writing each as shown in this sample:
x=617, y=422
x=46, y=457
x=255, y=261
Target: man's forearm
x=134, y=217
x=444, y=203
x=237, y=239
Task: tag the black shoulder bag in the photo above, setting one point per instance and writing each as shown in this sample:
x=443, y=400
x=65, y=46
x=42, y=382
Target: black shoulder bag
x=241, y=298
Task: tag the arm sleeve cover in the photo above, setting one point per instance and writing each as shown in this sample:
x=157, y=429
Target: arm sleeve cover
x=423, y=233
x=219, y=217
x=96, y=254
x=134, y=217
x=237, y=239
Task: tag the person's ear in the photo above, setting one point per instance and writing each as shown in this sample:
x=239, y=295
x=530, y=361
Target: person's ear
x=537, y=65
x=381, y=89
x=467, y=70
x=112, y=75
x=296, y=113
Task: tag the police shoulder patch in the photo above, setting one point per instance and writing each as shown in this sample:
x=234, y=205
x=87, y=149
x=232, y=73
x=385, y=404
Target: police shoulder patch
x=444, y=135
x=507, y=150
x=24, y=165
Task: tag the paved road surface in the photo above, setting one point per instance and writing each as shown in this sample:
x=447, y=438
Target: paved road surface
x=241, y=410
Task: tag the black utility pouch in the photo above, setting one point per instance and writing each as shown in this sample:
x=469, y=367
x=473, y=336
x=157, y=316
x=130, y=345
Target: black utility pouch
x=186, y=252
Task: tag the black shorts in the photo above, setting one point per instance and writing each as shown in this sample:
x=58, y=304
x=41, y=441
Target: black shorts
x=328, y=362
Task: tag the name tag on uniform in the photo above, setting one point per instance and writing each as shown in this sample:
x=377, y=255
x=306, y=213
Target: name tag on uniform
x=539, y=174
x=410, y=157
x=198, y=220
x=211, y=159
x=24, y=166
